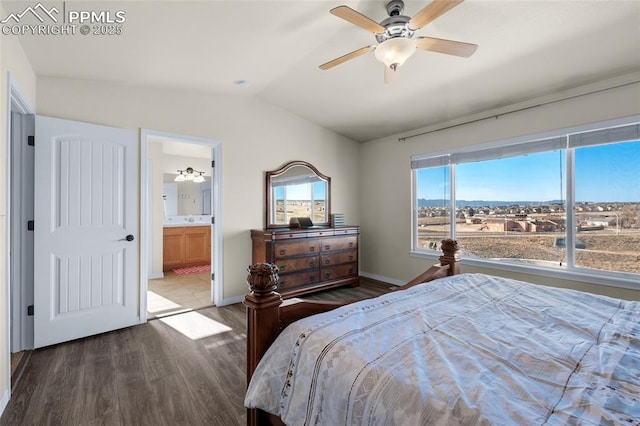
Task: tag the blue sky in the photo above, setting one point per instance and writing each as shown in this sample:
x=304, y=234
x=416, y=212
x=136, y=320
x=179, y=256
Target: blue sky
x=301, y=192
x=606, y=173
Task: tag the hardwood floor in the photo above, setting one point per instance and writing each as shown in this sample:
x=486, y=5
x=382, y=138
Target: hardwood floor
x=151, y=374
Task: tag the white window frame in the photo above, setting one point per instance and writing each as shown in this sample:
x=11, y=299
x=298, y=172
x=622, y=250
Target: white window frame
x=516, y=145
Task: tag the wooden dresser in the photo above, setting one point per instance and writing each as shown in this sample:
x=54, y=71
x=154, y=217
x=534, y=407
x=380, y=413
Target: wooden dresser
x=309, y=259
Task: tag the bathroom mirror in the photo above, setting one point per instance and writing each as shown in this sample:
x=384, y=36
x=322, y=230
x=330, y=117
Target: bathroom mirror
x=297, y=189
x=186, y=198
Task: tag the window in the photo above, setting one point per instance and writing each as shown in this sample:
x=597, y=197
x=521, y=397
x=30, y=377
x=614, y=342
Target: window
x=433, y=213
x=513, y=208
x=509, y=203
x=607, y=212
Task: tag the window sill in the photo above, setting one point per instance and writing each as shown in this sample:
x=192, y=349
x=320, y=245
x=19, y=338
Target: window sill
x=591, y=277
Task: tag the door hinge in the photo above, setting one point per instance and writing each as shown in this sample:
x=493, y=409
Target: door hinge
x=213, y=220
x=213, y=163
x=213, y=277
x=30, y=310
x=31, y=140
x=30, y=225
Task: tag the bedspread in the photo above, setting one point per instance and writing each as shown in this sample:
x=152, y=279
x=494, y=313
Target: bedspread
x=466, y=349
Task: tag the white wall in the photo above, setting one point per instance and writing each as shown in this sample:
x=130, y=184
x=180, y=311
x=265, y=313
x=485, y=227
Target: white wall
x=386, y=196
x=12, y=60
x=255, y=137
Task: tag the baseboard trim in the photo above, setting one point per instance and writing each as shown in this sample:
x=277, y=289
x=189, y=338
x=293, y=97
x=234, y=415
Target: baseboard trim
x=4, y=400
x=156, y=276
x=382, y=278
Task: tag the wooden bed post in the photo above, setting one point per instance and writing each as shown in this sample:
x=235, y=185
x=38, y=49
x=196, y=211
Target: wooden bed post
x=263, y=323
x=450, y=256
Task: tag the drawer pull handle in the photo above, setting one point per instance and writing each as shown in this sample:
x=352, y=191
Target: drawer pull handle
x=283, y=268
x=283, y=252
x=327, y=261
x=312, y=248
x=312, y=278
x=283, y=283
x=351, y=244
x=350, y=257
x=312, y=263
x=327, y=275
x=327, y=247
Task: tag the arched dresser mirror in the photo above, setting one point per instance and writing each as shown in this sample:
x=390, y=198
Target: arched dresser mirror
x=309, y=252
x=297, y=190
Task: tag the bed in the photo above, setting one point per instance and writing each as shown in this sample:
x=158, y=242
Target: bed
x=448, y=348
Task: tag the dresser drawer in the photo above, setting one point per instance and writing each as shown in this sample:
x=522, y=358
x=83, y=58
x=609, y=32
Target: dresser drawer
x=339, y=243
x=290, y=235
x=339, y=271
x=288, y=265
x=291, y=281
x=309, y=259
x=283, y=249
x=338, y=258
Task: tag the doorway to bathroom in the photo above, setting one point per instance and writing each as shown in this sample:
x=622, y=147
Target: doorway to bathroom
x=182, y=262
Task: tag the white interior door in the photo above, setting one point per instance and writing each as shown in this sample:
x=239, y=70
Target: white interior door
x=86, y=229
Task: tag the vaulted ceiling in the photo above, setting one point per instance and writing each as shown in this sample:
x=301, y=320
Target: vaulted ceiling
x=527, y=48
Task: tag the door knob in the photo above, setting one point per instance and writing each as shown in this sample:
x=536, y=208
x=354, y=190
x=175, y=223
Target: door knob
x=128, y=238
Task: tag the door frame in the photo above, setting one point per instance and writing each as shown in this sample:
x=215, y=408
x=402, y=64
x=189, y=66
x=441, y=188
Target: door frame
x=16, y=102
x=20, y=242
x=145, y=213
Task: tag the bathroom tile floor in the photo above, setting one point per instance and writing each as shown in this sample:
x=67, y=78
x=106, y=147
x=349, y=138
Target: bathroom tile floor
x=178, y=293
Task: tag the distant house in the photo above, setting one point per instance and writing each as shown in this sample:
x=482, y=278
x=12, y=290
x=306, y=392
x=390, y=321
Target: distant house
x=500, y=225
x=604, y=222
x=521, y=225
x=542, y=226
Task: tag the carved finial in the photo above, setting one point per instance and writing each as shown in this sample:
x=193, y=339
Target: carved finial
x=263, y=278
x=449, y=246
x=450, y=256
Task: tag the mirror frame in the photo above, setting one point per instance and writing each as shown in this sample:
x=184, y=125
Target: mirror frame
x=284, y=169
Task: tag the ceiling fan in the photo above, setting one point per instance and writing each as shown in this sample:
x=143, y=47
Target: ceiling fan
x=395, y=35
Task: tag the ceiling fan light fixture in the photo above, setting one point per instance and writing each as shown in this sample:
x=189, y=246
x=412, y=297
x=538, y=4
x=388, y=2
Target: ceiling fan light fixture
x=395, y=51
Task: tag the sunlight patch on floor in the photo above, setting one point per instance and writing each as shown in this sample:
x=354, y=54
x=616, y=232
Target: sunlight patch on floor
x=194, y=325
x=157, y=303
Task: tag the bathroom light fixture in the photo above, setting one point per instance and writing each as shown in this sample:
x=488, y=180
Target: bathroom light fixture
x=189, y=174
x=199, y=178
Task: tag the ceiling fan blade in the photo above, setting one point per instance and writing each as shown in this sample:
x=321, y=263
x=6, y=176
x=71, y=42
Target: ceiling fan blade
x=431, y=11
x=448, y=47
x=357, y=18
x=345, y=58
x=390, y=74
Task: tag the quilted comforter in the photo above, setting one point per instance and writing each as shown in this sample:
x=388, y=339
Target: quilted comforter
x=467, y=349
